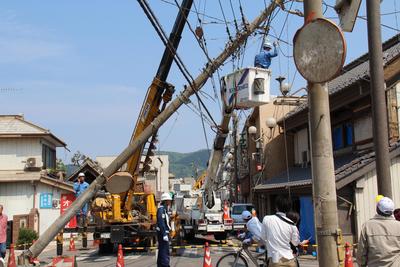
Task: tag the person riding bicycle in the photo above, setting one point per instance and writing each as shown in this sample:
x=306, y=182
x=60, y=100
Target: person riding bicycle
x=253, y=226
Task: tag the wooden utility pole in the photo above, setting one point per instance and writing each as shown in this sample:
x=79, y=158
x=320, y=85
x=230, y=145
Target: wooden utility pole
x=122, y=158
x=323, y=171
x=379, y=110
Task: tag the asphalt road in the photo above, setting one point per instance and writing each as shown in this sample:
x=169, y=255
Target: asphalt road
x=187, y=257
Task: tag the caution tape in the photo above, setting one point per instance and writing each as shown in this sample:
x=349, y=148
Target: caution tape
x=190, y=246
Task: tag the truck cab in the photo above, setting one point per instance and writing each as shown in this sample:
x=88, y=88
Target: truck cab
x=236, y=214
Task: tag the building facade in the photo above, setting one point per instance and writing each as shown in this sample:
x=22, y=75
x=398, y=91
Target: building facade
x=28, y=183
x=288, y=164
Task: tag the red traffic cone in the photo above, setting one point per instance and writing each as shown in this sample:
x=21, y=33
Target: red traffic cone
x=348, y=260
x=120, y=257
x=35, y=261
x=226, y=212
x=72, y=244
x=207, y=256
x=11, y=258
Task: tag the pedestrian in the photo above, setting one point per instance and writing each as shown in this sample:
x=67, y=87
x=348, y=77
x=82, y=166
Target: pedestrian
x=81, y=186
x=163, y=228
x=278, y=231
x=263, y=59
x=3, y=233
x=379, y=243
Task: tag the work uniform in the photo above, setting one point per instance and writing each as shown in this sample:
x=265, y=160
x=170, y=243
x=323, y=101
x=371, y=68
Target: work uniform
x=379, y=243
x=254, y=227
x=163, y=228
x=79, y=189
x=263, y=59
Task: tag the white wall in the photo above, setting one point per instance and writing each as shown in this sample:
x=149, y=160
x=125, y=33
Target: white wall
x=14, y=151
x=367, y=190
x=300, y=145
x=17, y=198
x=363, y=128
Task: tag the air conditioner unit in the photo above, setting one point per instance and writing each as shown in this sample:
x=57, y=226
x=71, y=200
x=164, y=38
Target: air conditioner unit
x=31, y=162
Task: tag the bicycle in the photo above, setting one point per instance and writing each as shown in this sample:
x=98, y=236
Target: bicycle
x=241, y=258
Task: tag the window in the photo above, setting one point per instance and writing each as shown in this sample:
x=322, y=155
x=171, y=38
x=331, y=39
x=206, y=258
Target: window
x=48, y=157
x=342, y=135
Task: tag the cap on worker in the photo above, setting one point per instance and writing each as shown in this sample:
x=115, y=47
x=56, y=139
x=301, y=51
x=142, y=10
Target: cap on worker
x=166, y=196
x=386, y=205
x=246, y=215
x=81, y=174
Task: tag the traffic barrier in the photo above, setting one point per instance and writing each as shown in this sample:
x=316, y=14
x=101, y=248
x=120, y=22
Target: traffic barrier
x=120, y=257
x=348, y=260
x=63, y=261
x=11, y=258
x=71, y=244
x=207, y=256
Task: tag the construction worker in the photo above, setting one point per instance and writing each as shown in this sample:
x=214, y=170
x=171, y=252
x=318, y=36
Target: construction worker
x=379, y=243
x=253, y=226
x=163, y=228
x=263, y=59
x=79, y=187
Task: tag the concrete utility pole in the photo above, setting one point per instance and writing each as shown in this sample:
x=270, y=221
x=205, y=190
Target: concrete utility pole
x=323, y=171
x=379, y=111
x=235, y=156
x=122, y=158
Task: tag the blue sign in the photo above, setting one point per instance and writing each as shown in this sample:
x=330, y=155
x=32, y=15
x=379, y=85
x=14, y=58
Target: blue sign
x=46, y=200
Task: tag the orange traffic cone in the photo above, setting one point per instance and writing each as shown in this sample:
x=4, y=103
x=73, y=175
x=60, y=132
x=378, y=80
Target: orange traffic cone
x=35, y=261
x=207, y=256
x=120, y=257
x=11, y=258
x=226, y=212
x=348, y=260
x=96, y=242
x=72, y=244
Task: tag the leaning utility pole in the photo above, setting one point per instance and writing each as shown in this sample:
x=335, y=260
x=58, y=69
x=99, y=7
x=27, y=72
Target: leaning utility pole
x=122, y=158
x=322, y=166
x=379, y=111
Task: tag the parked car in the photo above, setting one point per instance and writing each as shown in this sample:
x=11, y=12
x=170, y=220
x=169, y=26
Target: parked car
x=236, y=214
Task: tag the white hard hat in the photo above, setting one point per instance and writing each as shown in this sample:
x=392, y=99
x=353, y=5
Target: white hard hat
x=246, y=215
x=81, y=174
x=166, y=196
x=386, y=205
x=267, y=44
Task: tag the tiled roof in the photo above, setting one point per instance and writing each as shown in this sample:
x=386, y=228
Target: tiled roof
x=15, y=124
x=356, y=70
x=344, y=166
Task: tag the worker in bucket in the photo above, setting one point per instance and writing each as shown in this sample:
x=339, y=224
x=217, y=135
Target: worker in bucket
x=263, y=59
x=79, y=187
x=163, y=228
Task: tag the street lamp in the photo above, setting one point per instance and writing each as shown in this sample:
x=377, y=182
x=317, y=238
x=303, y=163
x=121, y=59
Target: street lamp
x=283, y=87
x=271, y=124
x=252, y=130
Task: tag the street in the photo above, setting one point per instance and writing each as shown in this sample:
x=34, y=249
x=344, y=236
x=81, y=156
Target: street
x=192, y=256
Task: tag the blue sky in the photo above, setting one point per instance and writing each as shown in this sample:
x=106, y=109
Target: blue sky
x=82, y=68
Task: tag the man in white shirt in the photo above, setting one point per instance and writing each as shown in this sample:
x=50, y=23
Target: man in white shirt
x=278, y=232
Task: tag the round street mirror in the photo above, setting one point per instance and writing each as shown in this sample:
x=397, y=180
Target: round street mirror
x=319, y=50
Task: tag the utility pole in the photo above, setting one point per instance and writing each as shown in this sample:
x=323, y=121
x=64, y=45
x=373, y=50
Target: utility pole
x=235, y=156
x=323, y=171
x=378, y=97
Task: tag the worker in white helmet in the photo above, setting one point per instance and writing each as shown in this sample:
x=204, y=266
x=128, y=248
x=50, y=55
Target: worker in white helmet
x=81, y=186
x=263, y=59
x=163, y=228
x=253, y=226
